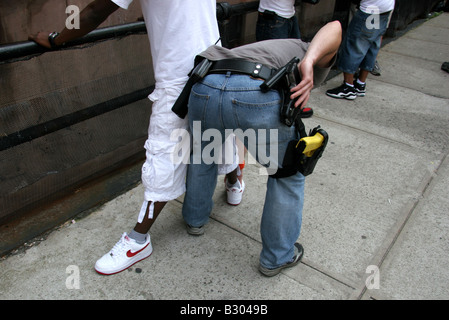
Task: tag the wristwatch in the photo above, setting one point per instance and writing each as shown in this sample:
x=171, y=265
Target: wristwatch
x=51, y=38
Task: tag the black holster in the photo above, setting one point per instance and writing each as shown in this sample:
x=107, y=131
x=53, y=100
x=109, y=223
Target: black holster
x=198, y=72
x=295, y=160
x=283, y=80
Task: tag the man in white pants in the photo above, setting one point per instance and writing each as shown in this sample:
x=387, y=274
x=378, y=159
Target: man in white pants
x=178, y=30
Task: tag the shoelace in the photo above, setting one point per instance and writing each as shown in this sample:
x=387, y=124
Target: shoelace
x=119, y=247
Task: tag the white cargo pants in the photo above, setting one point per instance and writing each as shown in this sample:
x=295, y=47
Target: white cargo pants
x=164, y=179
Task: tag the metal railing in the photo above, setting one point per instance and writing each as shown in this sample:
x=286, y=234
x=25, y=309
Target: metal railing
x=28, y=49
x=20, y=50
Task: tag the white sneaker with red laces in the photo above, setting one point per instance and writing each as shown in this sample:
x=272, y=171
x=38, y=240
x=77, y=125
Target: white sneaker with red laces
x=235, y=193
x=123, y=255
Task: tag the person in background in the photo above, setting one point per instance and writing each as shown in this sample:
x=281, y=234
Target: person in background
x=277, y=20
x=360, y=47
x=352, y=10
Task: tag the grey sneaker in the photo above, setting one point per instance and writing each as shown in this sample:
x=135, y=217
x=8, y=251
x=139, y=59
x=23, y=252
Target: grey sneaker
x=195, y=231
x=299, y=252
x=376, y=69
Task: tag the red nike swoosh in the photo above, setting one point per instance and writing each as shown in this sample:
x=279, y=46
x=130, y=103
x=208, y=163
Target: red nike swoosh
x=130, y=254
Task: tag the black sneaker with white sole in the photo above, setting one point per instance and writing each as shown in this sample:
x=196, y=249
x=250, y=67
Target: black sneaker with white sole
x=342, y=92
x=299, y=252
x=360, y=89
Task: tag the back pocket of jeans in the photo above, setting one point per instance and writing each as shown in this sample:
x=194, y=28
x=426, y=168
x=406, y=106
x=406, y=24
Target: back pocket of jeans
x=259, y=114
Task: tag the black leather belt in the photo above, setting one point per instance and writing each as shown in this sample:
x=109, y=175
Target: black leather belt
x=205, y=67
x=253, y=69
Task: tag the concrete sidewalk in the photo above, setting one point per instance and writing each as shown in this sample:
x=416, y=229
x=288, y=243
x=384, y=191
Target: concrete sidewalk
x=377, y=199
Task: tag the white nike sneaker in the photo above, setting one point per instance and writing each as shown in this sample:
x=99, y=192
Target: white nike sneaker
x=234, y=194
x=123, y=255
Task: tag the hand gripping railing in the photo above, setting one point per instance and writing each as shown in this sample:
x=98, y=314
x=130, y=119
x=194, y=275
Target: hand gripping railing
x=19, y=50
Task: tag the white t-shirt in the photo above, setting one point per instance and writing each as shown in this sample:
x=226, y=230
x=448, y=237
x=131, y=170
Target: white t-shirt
x=283, y=8
x=376, y=6
x=178, y=30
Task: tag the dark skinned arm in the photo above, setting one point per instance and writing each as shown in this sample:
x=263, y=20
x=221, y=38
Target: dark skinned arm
x=90, y=18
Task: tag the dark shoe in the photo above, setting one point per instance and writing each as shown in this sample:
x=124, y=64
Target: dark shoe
x=306, y=112
x=343, y=91
x=445, y=66
x=376, y=69
x=299, y=252
x=360, y=89
x=195, y=231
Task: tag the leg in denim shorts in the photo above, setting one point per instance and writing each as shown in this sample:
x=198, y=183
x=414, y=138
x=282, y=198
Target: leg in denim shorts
x=362, y=41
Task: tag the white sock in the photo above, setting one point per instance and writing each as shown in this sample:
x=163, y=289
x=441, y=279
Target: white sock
x=140, y=238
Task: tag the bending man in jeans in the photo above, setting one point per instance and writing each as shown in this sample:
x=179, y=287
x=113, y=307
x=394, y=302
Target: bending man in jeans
x=232, y=100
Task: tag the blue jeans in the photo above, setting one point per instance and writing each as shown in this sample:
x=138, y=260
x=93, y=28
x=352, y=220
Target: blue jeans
x=277, y=28
x=233, y=102
x=362, y=42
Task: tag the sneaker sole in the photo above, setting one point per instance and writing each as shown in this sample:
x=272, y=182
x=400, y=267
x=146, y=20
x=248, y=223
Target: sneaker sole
x=348, y=97
x=124, y=268
x=272, y=272
x=194, y=231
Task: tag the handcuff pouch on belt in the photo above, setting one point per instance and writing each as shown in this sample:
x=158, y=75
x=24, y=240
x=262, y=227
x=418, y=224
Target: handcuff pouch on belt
x=283, y=80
